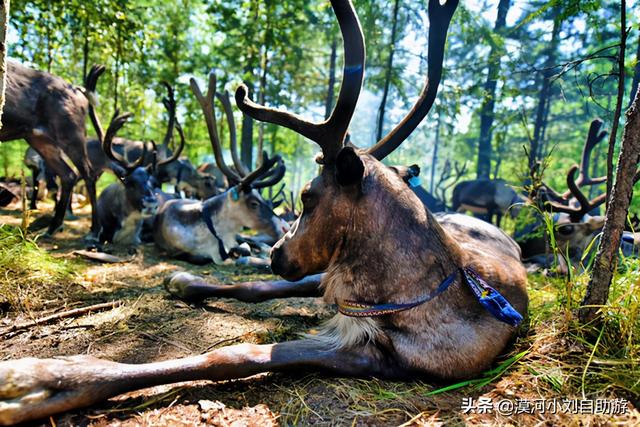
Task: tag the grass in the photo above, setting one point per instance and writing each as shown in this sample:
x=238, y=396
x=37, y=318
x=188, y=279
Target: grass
x=29, y=275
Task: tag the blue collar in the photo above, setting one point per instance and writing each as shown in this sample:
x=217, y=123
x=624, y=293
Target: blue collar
x=490, y=299
x=206, y=216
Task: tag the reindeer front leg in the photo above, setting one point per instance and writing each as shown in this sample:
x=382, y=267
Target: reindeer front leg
x=35, y=388
x=193, y=288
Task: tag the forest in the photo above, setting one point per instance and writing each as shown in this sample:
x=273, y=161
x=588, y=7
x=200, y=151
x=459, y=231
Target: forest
x=167, y=218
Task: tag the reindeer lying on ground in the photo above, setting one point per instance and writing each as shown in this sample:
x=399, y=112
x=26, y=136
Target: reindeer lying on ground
x=206, y=231
x=178, y=172
x=123, y=205
x=575, y=219
x=385, y=257
x=49, y=114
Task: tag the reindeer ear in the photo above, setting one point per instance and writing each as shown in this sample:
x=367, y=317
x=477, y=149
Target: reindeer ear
x=349, y=167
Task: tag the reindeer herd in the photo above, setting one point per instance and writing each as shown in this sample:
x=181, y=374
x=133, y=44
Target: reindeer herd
x=417, y=292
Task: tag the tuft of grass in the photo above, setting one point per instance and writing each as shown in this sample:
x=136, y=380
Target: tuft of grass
x=29, y=275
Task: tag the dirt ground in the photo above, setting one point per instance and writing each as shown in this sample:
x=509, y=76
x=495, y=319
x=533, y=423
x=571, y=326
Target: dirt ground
x=147, y=325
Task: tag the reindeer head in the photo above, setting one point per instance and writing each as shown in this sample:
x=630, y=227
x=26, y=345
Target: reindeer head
x=355, y=196
x=246, y=204
x=138, y=181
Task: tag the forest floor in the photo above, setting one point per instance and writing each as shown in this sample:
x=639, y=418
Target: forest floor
x=148, y=325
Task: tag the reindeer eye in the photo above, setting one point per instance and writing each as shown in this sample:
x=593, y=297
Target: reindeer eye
x=565, y=229
x=253, y=204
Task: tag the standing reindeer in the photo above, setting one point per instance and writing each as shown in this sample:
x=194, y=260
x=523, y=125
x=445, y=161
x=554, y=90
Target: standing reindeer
x=206, y=231
x=487, y=197
x=49, y=114
x=385, y=255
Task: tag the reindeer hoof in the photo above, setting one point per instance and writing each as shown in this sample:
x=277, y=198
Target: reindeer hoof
x=33, y=388
x=91, y=241
x=179, y=285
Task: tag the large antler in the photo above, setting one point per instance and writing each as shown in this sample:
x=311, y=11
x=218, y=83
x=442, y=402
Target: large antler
x=272, y=177
x=446, y=174
x=439, y=18
x=233, y=141
x=169, y=103
x=116, y=124
x=330, y=134
x=206, y=103
x=176, y=154
x=90, y=85
x=267, y=163
x=249, y=178
x=594, y=137
x=586, y=205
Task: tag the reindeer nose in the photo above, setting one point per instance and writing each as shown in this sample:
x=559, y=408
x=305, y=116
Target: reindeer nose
x=277, y=259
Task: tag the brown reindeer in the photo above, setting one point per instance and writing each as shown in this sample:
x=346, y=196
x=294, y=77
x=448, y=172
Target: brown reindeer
x=378, y=244
x=49, y=114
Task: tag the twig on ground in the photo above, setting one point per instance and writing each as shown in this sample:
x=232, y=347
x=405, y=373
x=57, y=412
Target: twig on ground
x=62, y=315
x=166, y=341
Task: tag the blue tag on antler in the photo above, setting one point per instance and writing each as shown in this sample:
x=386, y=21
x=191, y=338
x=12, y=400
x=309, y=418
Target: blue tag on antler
x=491, y=299
x=414, y=181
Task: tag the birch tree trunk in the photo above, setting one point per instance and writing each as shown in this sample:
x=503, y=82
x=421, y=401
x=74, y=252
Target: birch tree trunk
x=607, y=256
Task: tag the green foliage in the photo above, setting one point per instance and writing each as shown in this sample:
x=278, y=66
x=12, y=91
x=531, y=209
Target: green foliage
x=143, y=42
x=29, y=272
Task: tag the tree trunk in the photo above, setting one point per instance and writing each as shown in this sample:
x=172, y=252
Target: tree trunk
x=488, y=103
x=545, y=90
x=264, y=68
x=607, y=256
x=48, y=31
x=636, y=74
x=4, y=22
x=85, y=49
x=117, y=72
x=328, y=105
x=388, y=71
x=246, y=140
x=261, y=100
x=620, y=97
x=434, y=159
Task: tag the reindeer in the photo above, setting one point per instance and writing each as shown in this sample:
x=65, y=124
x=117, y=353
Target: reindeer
x=573, y=213
x=49, y=114
x=488, y=197
x=385, y=257
x=206, y=231
x=179, y=172
x=411, y=176
x=574, y=227
x=123, y=205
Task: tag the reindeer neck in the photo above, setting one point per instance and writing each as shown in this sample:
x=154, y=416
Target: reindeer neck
x=405, y=262
x=223, y=217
